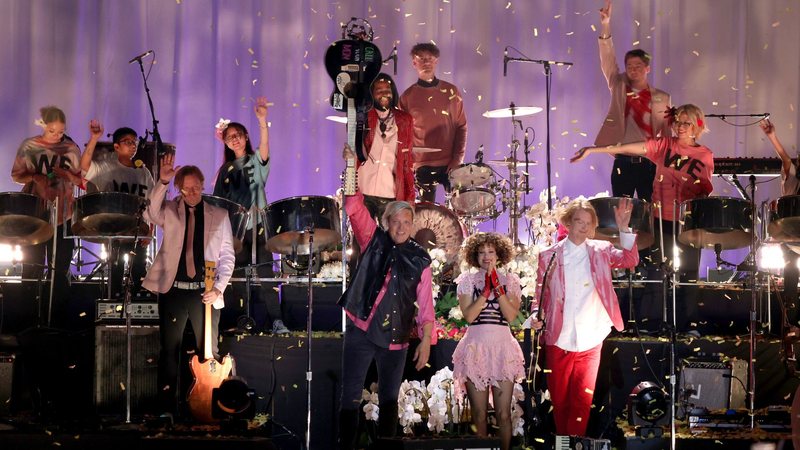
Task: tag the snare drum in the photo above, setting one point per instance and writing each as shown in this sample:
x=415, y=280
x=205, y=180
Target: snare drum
x=470, y=175
x=712, y=221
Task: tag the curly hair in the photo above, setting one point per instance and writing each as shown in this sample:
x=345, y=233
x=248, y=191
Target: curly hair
x=502, y=246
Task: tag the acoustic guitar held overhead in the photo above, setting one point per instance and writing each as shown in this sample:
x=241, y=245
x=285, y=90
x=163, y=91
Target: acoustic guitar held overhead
x=210, y=373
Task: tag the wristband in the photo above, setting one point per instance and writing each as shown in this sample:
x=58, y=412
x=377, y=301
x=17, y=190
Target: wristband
x=499, y=291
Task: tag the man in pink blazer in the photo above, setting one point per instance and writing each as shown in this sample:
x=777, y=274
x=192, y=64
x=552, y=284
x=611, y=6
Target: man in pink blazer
x=580, y=307
x=637, y=112
x=193, y=232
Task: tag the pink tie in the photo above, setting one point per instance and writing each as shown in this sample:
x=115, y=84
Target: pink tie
x=190, y=271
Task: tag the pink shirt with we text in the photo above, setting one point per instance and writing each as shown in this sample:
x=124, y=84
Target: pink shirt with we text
x=683, y=172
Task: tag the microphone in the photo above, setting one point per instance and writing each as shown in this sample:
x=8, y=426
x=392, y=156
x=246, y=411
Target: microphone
x=526, y=141
x=394, y=58
x=505, y=61
x=140, y=57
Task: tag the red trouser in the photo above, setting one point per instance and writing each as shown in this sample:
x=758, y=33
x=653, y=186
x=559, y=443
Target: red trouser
x=571, y=384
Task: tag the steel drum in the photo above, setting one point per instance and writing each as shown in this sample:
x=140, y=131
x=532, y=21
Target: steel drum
x=237, y=215
x=288, y=221
x=24, y=219
x=107, y=214
x=641, y=220
x=784, y=214
x=711, y=221
x=437, y=227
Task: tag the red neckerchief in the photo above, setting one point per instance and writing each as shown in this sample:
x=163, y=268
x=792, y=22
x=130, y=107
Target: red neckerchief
x=640, y=103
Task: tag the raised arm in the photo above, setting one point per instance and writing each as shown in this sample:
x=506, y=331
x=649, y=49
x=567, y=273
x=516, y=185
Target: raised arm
x=786, y=161
x=95, y=132
x=608, y=60
x=261, y=113
x=634, y=149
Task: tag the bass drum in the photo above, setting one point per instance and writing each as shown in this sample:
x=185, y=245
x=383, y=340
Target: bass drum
x=641, y=220
x=711, y=221
x=437, y=227
x=108, y=214
x=24, y=219
x=289, y=220
x=237, y=215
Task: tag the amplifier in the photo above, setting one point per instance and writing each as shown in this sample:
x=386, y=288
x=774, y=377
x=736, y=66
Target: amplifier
x=581, y=443
x=6, y=383
x=111, y=368
x=714, y=384
x=111, y=310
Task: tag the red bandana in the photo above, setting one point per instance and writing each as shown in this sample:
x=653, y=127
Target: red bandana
x=640, y=103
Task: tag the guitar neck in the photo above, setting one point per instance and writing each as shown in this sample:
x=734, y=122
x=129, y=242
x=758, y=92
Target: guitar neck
x=210, y=276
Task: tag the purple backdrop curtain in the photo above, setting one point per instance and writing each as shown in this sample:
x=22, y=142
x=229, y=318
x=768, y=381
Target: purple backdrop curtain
x=213, y=57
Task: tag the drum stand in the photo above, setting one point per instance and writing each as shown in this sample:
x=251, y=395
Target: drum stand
x=127, y=308
x=310, y=232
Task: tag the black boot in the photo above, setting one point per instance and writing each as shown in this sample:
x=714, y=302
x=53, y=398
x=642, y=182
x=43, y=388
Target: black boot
x=387, y=421
x=348, y=429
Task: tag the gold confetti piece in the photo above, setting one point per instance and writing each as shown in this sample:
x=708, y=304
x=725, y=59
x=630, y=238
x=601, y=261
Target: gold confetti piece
x=508, y=5
x=696, y=349
x=714, y=103
x=278, y=358
x=635, y=43
x=564, y=133
x=696, y=53
x=535, y=32
x=593, y=28
x=122, y=386
x=722, y=77
x=776, y=24
x=589, y=391
x=250, y=50
x=616, y=349
x=570, y=33
x=294, y=386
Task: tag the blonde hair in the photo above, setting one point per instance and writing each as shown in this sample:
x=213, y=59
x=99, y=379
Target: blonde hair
x=695, y=115
x=572, y=208
x=52, y=114
x=393, y=208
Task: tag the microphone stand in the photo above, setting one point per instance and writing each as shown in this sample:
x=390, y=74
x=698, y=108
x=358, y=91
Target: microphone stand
x=156, y=135
x=548, y=82
x=751, y=385
x=127, y=307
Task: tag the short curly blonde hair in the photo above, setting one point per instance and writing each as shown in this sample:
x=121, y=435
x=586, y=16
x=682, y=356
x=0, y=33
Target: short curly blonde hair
x=502, y=246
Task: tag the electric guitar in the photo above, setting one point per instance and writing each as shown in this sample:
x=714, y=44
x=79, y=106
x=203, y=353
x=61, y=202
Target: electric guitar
x=210, y=373
x=353, y=64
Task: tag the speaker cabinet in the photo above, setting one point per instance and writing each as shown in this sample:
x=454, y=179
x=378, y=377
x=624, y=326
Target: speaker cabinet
x=714, y=385
x=111, y=363
x=6, y=383
x=327, y=314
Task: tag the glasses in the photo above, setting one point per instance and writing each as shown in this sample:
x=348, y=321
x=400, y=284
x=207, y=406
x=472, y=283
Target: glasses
x=683, y=124
x=129, y=142
x=233, y=137
x=426, y=59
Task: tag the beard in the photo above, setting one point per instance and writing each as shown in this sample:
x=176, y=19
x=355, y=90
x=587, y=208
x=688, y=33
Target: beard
x=378, y=103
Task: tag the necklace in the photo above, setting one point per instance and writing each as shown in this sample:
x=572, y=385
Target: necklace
x=383, y=126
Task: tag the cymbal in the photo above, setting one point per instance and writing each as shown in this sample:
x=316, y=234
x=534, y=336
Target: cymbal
x=508, y=162
x=337, y=119
x=515, y=111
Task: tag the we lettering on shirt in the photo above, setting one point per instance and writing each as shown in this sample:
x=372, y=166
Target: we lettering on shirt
x=45, y=165
x=678, y=162
x=135, y=188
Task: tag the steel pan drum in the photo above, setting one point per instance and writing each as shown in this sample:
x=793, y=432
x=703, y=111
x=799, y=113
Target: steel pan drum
x=784, y=225
x=289, y=219
x=641, y=220
x=237, y=215
x=24, y=219
x=107, y=214
x=467, y=201
x=711, y=221
x=437, y=227
x=470, y=175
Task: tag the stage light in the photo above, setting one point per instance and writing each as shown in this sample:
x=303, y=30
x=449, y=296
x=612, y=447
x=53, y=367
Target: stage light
x=233, y=402
x=647, y=409
x=6, y=253
x=770, y=256
x=676, y=257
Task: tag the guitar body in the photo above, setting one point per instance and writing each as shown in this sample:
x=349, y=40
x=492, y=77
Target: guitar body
x=208, y=375
x=353, y=64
